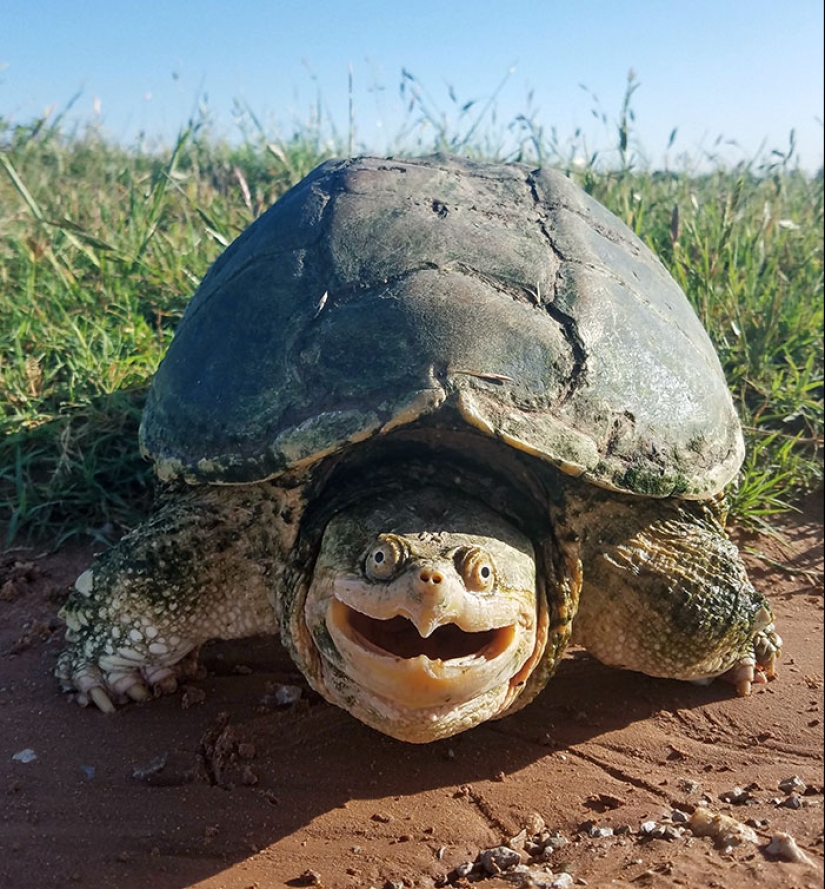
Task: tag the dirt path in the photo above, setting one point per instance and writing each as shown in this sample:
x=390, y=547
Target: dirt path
x=230, y=785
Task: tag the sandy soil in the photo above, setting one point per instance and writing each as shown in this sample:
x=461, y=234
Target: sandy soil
x=235, y=784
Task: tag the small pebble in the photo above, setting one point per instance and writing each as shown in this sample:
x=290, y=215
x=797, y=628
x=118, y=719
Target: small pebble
x=464, y=869
x=783, y=845
x=498, y=859
x=608, y=801
x=656, y=831
x=191, y=696
x=535, y=823
x=737, y=796
x=519, y=840
x=167, y=770
x=556, y=840
x=794, y=784
x=550, y=844
x=24, y=756
x=285, y=695
x=152, y=768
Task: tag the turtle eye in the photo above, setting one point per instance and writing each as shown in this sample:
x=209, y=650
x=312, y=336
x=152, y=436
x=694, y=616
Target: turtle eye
x=384, y=557
x=476, y=569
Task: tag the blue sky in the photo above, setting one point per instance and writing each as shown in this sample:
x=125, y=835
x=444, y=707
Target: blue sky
x=747, y=70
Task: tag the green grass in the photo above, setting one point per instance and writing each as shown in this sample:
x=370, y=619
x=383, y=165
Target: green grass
x=101, y=247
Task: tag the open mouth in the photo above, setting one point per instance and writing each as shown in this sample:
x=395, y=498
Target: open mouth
x=398, y=637
x=390, y=659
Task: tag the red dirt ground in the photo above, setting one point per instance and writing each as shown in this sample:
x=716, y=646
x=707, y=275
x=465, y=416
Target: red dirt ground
x=222, y=786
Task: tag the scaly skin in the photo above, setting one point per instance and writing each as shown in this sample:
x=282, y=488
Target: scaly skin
x=665, y=593
x=208, y=565
x=205, y=566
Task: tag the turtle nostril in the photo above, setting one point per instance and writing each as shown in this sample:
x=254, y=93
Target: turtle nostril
x=427, y=575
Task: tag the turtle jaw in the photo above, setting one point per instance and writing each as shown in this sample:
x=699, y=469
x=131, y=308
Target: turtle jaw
x=389, y=658
x=416, y=671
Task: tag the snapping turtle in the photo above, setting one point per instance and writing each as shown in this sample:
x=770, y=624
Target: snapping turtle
x=429, y=419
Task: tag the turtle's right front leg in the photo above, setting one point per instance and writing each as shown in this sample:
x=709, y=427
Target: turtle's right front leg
x=206, y=565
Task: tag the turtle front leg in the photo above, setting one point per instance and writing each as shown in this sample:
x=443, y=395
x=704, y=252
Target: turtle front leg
x=206, y=565
x=665, y=593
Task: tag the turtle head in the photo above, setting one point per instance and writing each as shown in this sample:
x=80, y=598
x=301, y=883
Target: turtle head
x=423, y=614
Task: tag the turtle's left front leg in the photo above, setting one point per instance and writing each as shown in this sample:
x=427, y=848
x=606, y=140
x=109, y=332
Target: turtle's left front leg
x=206, y=565
x=665, y=593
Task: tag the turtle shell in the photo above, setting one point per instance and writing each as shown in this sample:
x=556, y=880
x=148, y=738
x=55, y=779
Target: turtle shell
x=376, y=292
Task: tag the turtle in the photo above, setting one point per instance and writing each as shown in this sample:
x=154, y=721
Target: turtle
x=431, y=420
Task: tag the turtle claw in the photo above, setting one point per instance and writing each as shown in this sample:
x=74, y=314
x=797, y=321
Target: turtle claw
x=759, y=666
x=768, y=646
x=744, y=675
x=107, y=689
x=139, y=692
x=98, y=696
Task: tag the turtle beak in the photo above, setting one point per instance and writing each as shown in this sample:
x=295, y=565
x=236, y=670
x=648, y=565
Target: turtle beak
x=435, y=599
x=430, y=595
x=400, y=637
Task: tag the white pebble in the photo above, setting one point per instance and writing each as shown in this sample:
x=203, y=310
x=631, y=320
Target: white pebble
x=783, y=845
x=27, y=755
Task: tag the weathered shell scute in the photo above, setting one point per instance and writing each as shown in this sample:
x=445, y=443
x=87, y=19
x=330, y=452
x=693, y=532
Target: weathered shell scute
x=656, y=401
x=375, y=292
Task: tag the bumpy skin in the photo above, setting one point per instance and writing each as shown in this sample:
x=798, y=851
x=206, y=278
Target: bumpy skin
x=207, y=565
x=665, y=592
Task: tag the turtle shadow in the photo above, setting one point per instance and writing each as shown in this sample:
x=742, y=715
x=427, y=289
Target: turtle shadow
x=184, y=788
x=263, y=773
x=162, y=795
